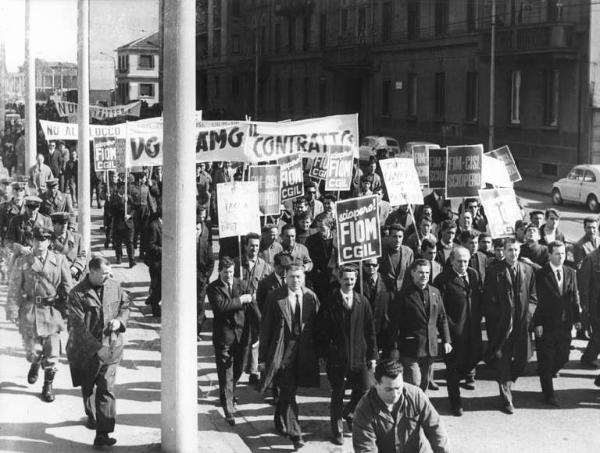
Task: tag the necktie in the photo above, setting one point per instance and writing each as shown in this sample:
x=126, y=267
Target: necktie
x=558, y=275
x=297, y=306
x=465, y=281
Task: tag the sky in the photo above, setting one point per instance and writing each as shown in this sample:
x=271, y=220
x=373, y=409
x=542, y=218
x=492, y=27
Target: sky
x=54, y=32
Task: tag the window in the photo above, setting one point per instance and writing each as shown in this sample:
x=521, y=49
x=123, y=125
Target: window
x=551, y=96
x=123, y=94
x=217, y=44
x=439, y=89
x=322, y=95
x=291, y=33
x=441, y=17
x=589, y=177
x=412, y=95
x=386, y=89
x=277, y=43
x=413, y=19
x=323, y=31
x=386, y=22
x=471, y=14
x=472, y=96
x=305, y=32
x=235, y=86
x=147, y=89
x=306, y=95
x=362, y=23
x=217, y=86
x=344, y=20
x=277, y=95
x=576, y=174
x=291, y=94
x=235, y=8
x=146, y=62
x=515, y=97
x=235, y=44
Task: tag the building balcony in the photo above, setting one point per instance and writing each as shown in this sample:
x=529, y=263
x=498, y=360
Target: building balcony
x=557, y=39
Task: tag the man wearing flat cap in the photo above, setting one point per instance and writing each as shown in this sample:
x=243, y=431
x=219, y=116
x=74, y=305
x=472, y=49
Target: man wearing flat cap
x=53, y=200
x=37, y=292
x=18, y=236
x=68, y=243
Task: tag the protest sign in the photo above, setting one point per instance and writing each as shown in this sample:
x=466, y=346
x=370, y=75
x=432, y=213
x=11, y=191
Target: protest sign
x=292, y=178
x=221, y=142
x=463, y=174
x=312, y=137
x=339, y=171
x=358, y=232
x=105, y=153
x=501, y=210
x=237, y=204
x=269, y=187
x=67, y=109
x=494, y=172
x=505, y=156
x=54, y=130
x=420, y=155
x=401, y=181
x=437, y=168
x=319, y=168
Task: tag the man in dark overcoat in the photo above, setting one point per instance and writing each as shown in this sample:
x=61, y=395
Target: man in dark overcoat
x=380, y=299
x=509, y=299
x=287, y=351
x=347, y=341
x=460, y=288
x=121, y=214
x=588, y=279
x=557, y=310
x=98, y=314
x=234, y=312
x=395, y=259
x=153, y=259
x=205, y=263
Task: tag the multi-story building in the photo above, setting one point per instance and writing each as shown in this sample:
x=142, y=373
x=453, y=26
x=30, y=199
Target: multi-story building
x=137, y=70
x=413, y=69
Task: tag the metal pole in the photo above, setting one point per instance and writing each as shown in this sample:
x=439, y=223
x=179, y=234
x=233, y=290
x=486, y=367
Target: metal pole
x=492, y=77
x=83, y=121
x=179, y=388
x=30, y=116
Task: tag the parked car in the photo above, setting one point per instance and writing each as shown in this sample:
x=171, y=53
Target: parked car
x=406, y=150
x=372, y=145
x=581, y=185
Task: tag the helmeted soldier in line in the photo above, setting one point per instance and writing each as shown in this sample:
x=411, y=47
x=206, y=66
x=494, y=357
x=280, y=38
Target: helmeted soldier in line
x=68, y=243
x=37, y=293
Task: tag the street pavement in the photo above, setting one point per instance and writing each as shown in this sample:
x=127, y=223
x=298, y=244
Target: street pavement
x=29, y=425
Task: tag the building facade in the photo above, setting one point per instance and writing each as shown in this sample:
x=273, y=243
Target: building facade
x=414, y=70
x=137, y=70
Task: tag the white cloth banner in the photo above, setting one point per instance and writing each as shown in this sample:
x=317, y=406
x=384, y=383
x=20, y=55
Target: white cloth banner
x=54, y=130
x=65, y=109
x=501, y=210
x=238, y=207
x=401, y=181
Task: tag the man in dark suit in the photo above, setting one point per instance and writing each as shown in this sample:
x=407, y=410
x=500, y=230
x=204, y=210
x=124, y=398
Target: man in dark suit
x=253, y=270
x=418, y=315
x=557, y=310
x=347, y=341
x=320, y=249
x=429, y=252
x=287, y=351
x=532, y=250
x=589, y=242
x=460, y=288
x=205, y=263
x=233, y=313
x=153, y=260
x=446, y=243
x=395, y=259
x=509, y=299
x=588, y=279
x=379, y=297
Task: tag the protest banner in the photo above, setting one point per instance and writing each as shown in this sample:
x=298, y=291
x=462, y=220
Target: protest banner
x=54, y=130
x=401, y=181
x=121, y=146
x=420, y=155
x=269, y=188
x=494, y=172
x=501, y=210
x=339, y=171
x=319, y=168
x=437, y=168
x=292, y=178
x=105, y=153
x=463, y=174
x=237, y=204
x=506, y=156
x=68, y=109
x=311, y=137
x=222, y=142
x=358, y=232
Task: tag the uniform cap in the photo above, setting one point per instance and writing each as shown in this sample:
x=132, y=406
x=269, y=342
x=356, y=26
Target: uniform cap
x=41, y=233
x=60, y=217
x=33, y=200
x=52, y=182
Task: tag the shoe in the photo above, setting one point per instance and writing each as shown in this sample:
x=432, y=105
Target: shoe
x=156, y=312
x=90, y=423
x=457, y=411
x=230, y=419
x=581, y=335
x=253, y=379
x=106, y=244
x=47, y=394
x=131, y=263
x=298, y=442
x=469, y=385
x=34, y=372
x=118, y=260
x=552, y=401
x=148, y=301
x=102, y=440
x=589, y=364
x=556, y=375
x=597, y=381
x=508, y=409
x=281, y=430
x=349, y=419
x=338, y=439
x=432, y=385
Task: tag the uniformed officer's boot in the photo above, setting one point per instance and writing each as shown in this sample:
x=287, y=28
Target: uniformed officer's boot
x=34, y=371
x=47, y=394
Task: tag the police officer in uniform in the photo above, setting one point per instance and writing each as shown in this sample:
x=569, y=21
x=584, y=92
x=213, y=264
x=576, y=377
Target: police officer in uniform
x=36, y=300
x=18, y=236
x=8, y=210
x=68, y=243
x=53, y=200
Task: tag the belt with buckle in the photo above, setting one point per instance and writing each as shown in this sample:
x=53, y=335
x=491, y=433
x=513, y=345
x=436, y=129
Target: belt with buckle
x=46, y=301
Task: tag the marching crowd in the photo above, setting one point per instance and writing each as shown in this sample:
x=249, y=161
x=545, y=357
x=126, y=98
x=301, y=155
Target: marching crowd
x=284, y=309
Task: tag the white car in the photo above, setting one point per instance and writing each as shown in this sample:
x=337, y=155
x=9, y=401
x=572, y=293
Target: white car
x=371, y=144
x=581, y=185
